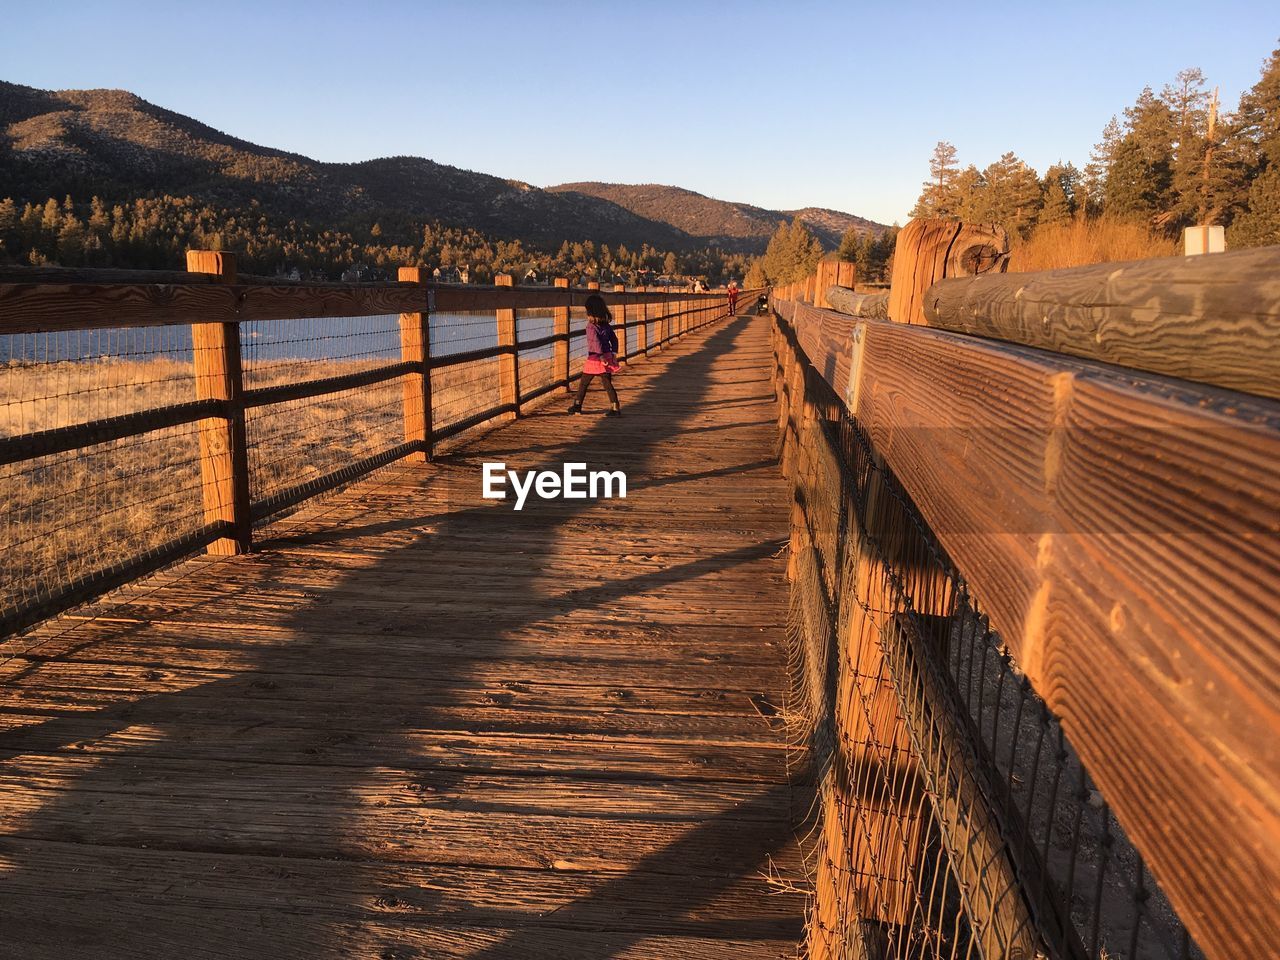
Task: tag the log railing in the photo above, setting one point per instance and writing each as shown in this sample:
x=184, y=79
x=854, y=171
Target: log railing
x=129, y=395
x=1122, y=532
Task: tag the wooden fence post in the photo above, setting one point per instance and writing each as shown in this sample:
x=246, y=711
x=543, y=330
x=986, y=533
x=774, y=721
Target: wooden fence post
x=509, y=359
x=828, y=270
x=928, y=250
x=561, y=329
x=622, y=322
x=224, y=454
x=847, y=274
x=415, y=348
x=642, y=338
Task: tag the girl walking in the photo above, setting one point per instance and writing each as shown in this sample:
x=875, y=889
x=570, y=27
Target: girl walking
x=602, y=354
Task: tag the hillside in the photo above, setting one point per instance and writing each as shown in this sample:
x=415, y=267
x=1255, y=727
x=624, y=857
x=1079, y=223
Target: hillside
x=721, y=221
x=115, y=145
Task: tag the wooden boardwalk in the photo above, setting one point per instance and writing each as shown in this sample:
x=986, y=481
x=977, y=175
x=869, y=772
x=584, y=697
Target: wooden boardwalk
x=420, y=724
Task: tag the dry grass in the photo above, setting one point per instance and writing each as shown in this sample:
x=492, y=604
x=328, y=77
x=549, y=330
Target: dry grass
x=1084, y=241
x=71, y=515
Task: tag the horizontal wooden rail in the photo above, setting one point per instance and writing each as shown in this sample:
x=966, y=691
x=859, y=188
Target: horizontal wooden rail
x=1213, y=319
x=10, y=273
x=47, y=443
x=262, y=396
x=44, y=307
x=869, y=305
x=474, y=420
x=295, y=495
x=1124, y=534
x=83, y=589
x=536, y=392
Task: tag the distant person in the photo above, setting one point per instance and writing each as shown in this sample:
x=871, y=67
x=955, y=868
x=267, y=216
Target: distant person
x=733, y=298
x=602, y=354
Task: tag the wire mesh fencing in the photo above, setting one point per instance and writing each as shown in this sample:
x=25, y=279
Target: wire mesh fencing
x=536, y=356
x=298, y=441
x=953, y=817
x=577, y=338
x=465, y=386
x=72, y=514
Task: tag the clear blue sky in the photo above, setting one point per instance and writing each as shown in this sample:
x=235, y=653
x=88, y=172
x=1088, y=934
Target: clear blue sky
x=834, y=104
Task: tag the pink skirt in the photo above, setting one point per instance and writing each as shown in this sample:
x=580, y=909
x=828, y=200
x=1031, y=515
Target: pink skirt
x=606, y=364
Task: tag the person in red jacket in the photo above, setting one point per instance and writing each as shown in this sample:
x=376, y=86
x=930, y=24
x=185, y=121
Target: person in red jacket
x=602, y=354
x=733, y=298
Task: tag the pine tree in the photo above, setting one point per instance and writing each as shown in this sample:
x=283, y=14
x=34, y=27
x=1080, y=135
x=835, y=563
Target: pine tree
x=1132, y=188
x=51, y=217
x=1258, y=118
x=1260, y=225
x=71, y=239
x=1012, y=196
x=1059, y=188
x=1258, y=126
x=1143, y=183
x=793, y=253
x=99, y=222
x=939, y=198
x=848, y=249
x=1188, y=105
x=971, y=194
x=1098, y=168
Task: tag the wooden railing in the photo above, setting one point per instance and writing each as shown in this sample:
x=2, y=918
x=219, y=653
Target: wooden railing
x=214, y=303
x=1120, y=528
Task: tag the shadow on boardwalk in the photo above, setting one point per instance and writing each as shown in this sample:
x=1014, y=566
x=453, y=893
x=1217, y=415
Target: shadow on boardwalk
x=396, y=769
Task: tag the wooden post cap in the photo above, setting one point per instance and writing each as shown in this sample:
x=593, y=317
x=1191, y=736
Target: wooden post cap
x=217, y=262
x=929, y=249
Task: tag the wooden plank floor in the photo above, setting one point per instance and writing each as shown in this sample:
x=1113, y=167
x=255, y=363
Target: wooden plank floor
x=420, y=724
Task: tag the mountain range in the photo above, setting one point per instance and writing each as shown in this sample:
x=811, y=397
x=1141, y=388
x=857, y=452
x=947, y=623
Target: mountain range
x=115, y=145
